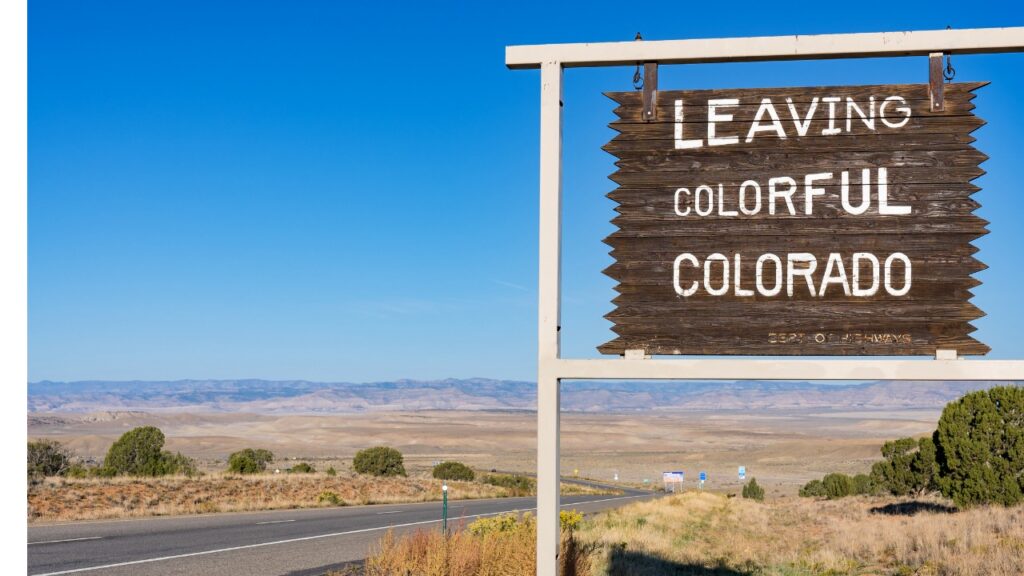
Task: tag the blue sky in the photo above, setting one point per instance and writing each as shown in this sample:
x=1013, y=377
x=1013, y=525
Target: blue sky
x=348, y=191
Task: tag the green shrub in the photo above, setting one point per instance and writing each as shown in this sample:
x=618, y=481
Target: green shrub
x=78, y=470
x=331, y=471
x=249, y=461
x=379, y=461
x=837, y=485
x=102, y=472
x=302, y=468
x=331, y=498
x=139, y=452
x=753, y=491
x=813, y=489
x=908, y=468
x=515, y=484
x=178, y=463
x=863, y=485
x=48, y=458
x=980, y=448
x=453, y=471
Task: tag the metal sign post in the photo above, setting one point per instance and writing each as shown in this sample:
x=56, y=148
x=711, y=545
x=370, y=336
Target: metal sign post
x=552, y=59
x=444, y=509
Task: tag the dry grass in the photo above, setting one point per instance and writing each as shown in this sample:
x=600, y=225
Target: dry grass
x=798, y=536
x=706, y=534
x=506, y=553
x=62, y=499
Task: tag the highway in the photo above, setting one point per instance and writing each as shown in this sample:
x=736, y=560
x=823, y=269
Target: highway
x=293, y=542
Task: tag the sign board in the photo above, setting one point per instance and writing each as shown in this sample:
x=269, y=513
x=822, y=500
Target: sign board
x=673, y=481
x=743, y=473
x=796, y=221
x=703, y=476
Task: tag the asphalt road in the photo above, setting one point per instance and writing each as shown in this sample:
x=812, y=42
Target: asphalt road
x=292, y=542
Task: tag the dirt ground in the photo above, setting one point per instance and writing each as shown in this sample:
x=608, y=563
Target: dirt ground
x=782, y=449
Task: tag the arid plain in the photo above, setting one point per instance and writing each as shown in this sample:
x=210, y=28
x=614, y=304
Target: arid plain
x=781, y=448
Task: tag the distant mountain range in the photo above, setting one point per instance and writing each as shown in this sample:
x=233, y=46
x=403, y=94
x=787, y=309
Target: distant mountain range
x=303, y=397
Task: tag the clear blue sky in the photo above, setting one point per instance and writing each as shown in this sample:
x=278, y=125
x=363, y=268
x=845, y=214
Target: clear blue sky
x=348, y=190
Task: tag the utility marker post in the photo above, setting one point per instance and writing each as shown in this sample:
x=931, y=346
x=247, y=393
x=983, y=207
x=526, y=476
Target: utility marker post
x=444, y=508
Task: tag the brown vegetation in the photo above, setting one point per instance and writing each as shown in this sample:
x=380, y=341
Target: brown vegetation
x=93, y=498
x=703, y=533
x=506, y=552
x=58, y=499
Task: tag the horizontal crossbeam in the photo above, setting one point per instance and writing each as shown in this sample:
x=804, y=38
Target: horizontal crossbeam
x=798, y=47
x=786, y=369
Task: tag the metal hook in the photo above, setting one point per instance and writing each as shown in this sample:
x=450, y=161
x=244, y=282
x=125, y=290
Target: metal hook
x=638, y=79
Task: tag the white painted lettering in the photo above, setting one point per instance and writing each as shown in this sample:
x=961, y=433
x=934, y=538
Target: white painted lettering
x=800, y=264
x=716, y=257
x=873, y=289
x=906, y=274
x=759, y=281
x=714, y=116
x=835, y=273
x=810, y=191
x=865, y=192
x=831, y=130
x=787, y=194
x=776, y=125
x=904, y=109
x=684, y=191
x=867, y=119
x=685, y=257
x=682, y=144
x=883, y=197
x=801, y=127
x=757, y=197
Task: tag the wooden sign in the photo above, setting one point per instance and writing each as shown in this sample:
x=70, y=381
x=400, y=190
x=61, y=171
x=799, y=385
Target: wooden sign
x=811, y=221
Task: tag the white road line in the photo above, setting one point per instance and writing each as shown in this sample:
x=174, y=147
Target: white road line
x=388, y=512
x=66, y=540
x=302, y=539
x=275, y=521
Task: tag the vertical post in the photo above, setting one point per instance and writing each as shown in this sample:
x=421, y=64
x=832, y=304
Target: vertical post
x=444, y=509
x=935, y=78
x=549, y=320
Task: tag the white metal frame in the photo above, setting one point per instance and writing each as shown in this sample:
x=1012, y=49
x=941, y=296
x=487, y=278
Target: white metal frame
x=552, y=368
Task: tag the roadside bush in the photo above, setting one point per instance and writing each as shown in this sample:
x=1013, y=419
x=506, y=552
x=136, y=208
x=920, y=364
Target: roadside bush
x=908, y=468
x=980, y=448
x=250, y=461
x=379, y=461
x=48, y=458
x=302, y=468
x=753, y=491
x=569, y=519
x=863, y=485
x=837, y=485
x=813, y=489
x=500, y=523
x=139, y=452
x=331, y=471
x=328, y=497
x=78, y=470
x=453, y=471
x=515, y=484
x=178, y=463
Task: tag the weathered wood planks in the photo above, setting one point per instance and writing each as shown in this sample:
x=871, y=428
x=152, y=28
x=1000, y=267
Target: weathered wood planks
x=858, y=243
